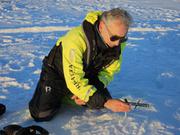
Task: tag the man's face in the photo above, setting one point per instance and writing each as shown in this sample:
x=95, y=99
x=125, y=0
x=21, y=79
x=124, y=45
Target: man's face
x=113, y=32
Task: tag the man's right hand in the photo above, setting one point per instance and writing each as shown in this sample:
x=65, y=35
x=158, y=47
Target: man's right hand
x=117, y=105
x=77, y=100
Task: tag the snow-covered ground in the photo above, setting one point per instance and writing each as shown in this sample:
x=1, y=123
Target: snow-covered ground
x=150, y=69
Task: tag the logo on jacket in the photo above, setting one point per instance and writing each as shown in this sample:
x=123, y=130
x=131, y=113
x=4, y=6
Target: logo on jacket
x=48, y=89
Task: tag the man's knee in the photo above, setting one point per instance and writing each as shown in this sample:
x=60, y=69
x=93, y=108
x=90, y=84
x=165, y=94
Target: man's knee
x=40, y=116
x=44, y=105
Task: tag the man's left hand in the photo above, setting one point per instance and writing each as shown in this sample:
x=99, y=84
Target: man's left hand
x=77, y=100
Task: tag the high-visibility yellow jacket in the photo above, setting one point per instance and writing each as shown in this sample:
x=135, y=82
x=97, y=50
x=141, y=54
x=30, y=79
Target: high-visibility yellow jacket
x=74, y=45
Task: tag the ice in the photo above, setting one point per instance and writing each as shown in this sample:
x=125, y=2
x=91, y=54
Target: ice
x=150, y=69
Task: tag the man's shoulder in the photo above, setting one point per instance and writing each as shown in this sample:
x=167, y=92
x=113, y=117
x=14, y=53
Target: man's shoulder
x=74, y=38
x=73, y=35
x=76, y=31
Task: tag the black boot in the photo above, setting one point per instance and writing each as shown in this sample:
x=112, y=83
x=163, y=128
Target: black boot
x=2, y=109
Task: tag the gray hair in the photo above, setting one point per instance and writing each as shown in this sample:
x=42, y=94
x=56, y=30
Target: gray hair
x=117, y=13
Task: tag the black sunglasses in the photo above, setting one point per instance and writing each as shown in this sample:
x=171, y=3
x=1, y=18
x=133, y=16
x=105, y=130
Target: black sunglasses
x=121, y=39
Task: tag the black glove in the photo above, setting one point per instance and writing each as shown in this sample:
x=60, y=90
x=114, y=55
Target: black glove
x=98, y=99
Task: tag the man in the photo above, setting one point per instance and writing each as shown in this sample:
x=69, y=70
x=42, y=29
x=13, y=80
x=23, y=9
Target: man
x=82, y=64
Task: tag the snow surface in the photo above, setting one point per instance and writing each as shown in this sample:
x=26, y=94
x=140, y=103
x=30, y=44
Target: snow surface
x=150, y=69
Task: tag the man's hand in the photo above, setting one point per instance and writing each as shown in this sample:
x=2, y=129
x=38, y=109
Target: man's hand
x=116, y=105
x=77, y=100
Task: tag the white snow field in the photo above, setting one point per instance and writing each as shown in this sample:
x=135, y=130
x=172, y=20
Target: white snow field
x=150, y=70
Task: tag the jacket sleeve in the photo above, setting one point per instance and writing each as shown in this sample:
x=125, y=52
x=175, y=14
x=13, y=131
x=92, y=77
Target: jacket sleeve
x=107, y=74
x=73, y=47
